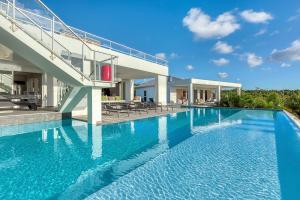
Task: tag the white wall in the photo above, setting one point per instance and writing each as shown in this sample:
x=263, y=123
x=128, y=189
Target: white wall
x=150, y=92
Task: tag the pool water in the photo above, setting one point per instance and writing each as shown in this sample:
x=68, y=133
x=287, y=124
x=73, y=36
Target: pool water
x=199, y=154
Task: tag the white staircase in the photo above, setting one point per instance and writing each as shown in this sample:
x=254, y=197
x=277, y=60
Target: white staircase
x=42, y=42
x=51, y=45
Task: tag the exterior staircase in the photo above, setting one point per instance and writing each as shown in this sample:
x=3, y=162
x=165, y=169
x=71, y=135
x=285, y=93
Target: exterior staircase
x=42, y=42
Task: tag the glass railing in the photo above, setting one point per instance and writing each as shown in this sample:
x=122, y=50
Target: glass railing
x=45, y=20
x=40, y=23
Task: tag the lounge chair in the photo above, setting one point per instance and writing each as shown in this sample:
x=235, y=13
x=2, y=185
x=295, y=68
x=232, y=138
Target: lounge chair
x=171, y=105
x=118, y=108
x=138, y=107
x=154, y=106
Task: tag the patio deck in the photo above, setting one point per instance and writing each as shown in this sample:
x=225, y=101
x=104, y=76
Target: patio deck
x=113, y=118
x=14, y=117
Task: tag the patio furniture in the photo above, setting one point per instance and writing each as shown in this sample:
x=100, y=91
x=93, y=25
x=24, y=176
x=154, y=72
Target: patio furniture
x=154, y=106
x=171, y=105
x=138, y=107
x=117, y=108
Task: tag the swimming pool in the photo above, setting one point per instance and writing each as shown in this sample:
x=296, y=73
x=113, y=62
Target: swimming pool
x=198, y=154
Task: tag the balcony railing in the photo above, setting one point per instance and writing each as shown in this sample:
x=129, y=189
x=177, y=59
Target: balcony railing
x=46, y=22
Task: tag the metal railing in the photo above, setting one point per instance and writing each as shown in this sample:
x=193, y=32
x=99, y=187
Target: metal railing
x=47, y=32
x=6, y=82
x=91, y=38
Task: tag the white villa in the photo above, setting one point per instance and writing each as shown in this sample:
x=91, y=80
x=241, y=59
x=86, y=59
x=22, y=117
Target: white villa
x=188, y=91
x=71, y=70
x=68, y=68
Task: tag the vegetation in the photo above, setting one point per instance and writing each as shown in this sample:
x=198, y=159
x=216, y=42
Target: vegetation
x=267, y=99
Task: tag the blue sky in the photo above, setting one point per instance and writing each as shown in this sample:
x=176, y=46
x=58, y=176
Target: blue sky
x=253, y=42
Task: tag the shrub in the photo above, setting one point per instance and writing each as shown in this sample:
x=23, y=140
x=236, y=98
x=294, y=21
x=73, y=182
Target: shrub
x=259, y=102
x=274, y=100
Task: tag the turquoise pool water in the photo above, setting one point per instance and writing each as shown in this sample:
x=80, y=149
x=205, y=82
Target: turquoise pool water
x=198, y=154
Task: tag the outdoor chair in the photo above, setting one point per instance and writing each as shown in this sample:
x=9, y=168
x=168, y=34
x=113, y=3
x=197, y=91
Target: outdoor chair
x=171, y=105
x=121, y=108
x=138, y=107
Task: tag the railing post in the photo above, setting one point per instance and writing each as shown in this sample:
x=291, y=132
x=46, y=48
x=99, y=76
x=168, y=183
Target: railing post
x=7, y=8
x=110, y=47
x=82, y=51
x=95, y=65
x=52, y=35
x=14, y=10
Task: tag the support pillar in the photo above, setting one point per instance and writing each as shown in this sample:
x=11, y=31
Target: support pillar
x=161, y=89
x=94, y=105
x=129, y=90
x=12, y=82
x=191, y=94
x=198, y=94
x=239, y=91
x=49, y=91
x=219, y=93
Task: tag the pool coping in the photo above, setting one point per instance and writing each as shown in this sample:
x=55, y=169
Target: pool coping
x=293, y=118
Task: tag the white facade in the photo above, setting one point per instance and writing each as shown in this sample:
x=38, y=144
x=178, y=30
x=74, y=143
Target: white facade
x=188, y=91
x=198, y=91
x=62, y=64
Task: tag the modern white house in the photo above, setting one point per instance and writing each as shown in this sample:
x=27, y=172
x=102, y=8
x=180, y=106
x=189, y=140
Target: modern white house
x=68, y=68
x=188, y=91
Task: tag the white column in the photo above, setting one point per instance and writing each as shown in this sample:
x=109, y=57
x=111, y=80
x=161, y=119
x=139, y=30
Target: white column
x=49, y=90
x=219, y=93
x=44, y=90
x=161, y=89
x=191, y=94
x=198, y=94
x=129, y=90
x=94, y=105
x=239, y=91
x=12, y=82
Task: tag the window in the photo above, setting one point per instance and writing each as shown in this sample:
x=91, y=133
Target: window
x=145, y=96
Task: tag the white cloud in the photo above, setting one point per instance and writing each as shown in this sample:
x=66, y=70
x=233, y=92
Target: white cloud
x=254, y=60
x=203, y=26
x=291, y=53
x=223, y=74
x=221, y=62
x=189, y=67
x=161, y=55
x=223, y=47
x=261, y=32
x=256, y=17
x=285, y=65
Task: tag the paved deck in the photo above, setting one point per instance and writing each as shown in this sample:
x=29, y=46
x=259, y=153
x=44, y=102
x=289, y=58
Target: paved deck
x=13, y=117
x=113, y=117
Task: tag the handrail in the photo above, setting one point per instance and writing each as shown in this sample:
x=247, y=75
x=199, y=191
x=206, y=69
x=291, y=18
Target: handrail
x=49, y=36
x=98, y=39
x=122, y=45
x=23, y=17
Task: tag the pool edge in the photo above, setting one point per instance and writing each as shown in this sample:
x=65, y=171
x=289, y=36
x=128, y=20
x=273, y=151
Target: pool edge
x=293, y=118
